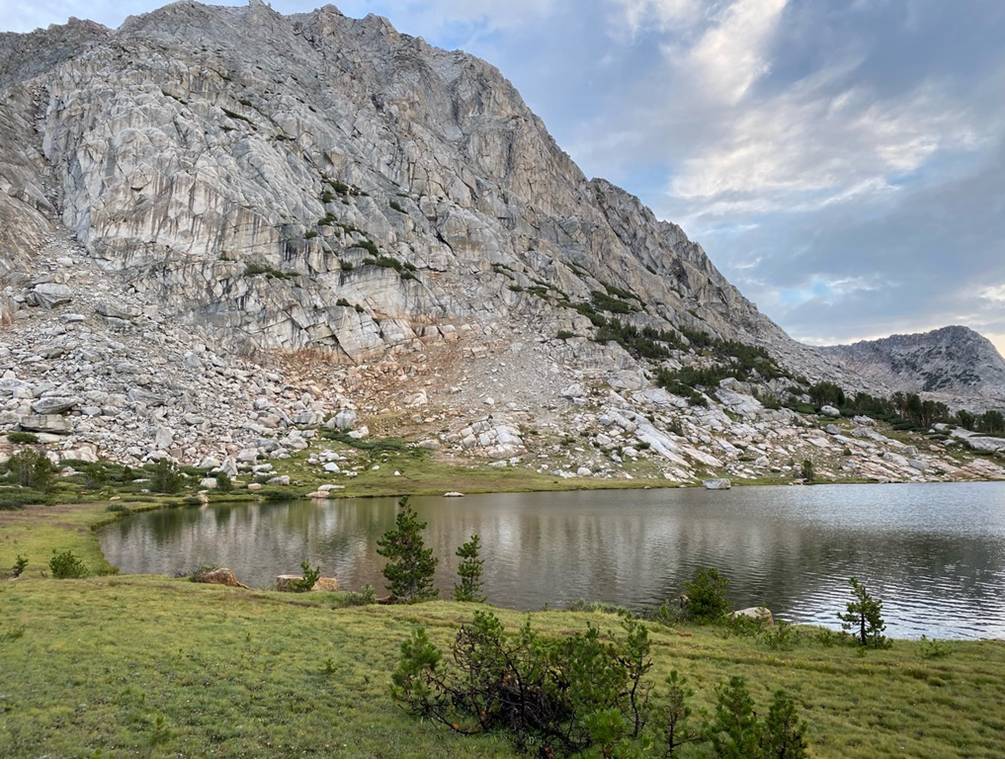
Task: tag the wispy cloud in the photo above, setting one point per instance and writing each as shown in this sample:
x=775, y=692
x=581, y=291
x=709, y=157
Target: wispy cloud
x=733, y=53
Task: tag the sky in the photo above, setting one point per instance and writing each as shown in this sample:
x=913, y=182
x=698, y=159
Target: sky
x=841, y=161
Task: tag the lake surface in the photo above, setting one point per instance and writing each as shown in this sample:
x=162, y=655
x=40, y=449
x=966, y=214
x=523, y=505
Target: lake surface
x=935, y=553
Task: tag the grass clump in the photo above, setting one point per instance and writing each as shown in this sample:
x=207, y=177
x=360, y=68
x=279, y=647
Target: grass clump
x=605, y=302
x=22, y=438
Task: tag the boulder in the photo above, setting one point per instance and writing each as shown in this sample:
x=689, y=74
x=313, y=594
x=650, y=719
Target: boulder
x=717, y=484
x=248, y=455
x=208, y=464
x=54, y=404
x=50, y=422
x=453, y=494
x=344, y=419
x=117, y=310
x=755, y=613
x=573, y=391
x=84, y=452
x=51, y=294
x=286, y=583
x=218, y=576
x=831, y=411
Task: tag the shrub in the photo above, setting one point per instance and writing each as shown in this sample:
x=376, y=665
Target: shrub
x=166, y=478
x=20, y=565
x=410, y=567
x=95, y=476
x=366, y=595
x=827, y=393
x=705, y=593
x=309, y=579
x=65, y=564
x=22, y=438
x=607, y=303
x=223, y=482
x=14, y=498
x=565, y=335
x=30, y=468
x=368, y=245
x=780, y=638
x=469, y=570
x=339, y=187
x=929, y=649
x=261, y=269
x=553, y=696
x=863, y=617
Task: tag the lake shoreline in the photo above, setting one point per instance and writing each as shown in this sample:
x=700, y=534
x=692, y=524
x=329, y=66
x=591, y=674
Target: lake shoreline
x=631, y=549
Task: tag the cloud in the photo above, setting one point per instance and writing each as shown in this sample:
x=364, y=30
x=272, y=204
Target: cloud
x=635, y=15
x=733, y=53
x=994, y=293
x=806, y=148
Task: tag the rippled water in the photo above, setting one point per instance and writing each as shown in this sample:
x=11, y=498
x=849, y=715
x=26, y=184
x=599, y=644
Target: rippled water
x=934, y=553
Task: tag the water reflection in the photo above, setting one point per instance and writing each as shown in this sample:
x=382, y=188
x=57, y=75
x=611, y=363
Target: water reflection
x=933, y=552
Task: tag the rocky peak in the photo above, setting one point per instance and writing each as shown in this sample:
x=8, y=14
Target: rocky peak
x=953, y=363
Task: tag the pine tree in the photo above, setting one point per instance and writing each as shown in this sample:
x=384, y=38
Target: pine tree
x=410, y=567
x=469, y=570
x=734, y=729
x=863, y=617
x=783, y=734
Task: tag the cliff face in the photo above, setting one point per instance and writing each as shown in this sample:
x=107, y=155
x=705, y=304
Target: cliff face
x=953, y=363
x=197, y=141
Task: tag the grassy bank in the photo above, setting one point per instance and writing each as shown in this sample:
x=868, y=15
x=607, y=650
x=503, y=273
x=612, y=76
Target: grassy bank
x=139, y=665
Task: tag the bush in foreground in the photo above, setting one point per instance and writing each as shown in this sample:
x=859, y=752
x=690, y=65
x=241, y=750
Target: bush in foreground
x=584, y=693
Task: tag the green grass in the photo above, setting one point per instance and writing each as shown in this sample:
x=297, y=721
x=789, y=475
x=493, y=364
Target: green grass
x=141, y=665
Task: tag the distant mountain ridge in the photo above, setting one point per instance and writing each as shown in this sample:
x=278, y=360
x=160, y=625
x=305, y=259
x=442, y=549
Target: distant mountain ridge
x=953, y=363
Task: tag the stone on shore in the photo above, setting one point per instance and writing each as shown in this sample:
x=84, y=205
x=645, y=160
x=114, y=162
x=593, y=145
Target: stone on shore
x=717, y=484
